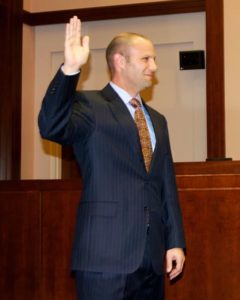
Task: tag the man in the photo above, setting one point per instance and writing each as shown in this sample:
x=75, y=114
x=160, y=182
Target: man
x=129, y=217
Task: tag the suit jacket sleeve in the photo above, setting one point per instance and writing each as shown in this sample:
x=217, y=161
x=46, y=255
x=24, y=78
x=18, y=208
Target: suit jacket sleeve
x=66, y=115
x=174, y=227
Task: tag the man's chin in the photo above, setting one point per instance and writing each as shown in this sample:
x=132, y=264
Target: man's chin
x=148, y=83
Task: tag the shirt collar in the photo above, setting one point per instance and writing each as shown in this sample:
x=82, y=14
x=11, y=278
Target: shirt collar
x=123, y=94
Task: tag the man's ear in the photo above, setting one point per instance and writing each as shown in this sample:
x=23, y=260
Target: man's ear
x=119, y=61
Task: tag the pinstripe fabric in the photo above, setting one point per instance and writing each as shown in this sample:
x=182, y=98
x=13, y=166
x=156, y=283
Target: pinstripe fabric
x=111, y=227
x=140, y=285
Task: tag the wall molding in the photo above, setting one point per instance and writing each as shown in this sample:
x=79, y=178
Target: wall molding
x=115, y=12
x=10, y=91
x=215, y=80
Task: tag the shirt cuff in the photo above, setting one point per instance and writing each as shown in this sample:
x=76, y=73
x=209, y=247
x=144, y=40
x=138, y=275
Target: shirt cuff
x=74, y=73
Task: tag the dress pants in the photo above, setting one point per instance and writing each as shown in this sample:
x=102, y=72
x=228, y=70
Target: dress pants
x=143, y=284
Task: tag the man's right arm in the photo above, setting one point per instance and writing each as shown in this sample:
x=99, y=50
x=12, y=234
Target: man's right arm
x=65, y=115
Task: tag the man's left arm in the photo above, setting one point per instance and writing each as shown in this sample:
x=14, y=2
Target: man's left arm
x=175, y=241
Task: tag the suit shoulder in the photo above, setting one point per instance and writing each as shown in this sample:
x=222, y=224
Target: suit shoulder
x=156, y=113
x=92, y=96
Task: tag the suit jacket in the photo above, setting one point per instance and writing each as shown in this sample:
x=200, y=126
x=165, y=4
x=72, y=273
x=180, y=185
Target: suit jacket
x=111, y=220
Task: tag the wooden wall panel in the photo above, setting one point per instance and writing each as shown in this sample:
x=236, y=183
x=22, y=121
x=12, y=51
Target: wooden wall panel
x=20, y=245
x=212, y=225
x=37, y=224
x=58, y=220
x=10, y=91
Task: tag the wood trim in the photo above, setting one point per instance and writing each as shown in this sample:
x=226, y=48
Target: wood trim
x=41, y=185
x=10, y=92
x=215, y=80
x=213, y=167
x=115, y=12
x=182, y=169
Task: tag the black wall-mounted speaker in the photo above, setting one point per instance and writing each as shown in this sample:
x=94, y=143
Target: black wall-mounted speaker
x=192, y=60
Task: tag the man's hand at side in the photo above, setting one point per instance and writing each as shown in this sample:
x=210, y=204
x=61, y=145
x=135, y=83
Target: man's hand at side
x=174, y=262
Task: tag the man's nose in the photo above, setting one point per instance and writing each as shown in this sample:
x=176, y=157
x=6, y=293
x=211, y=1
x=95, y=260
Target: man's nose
x=153, y=65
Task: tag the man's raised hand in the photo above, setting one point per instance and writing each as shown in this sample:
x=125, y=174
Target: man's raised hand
x=76, y=47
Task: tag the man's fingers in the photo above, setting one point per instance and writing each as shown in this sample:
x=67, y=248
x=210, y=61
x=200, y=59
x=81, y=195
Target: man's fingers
x=169, y=266
x=85, y=42
x=76, y=48
x=176, y=270
x=174, y=262
x=76, y=29
x=73, y=31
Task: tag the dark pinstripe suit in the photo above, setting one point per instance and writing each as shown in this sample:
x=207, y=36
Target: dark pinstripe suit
x=111, y=224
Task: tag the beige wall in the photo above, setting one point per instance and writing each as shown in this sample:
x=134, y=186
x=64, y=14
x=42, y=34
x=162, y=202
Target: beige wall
x=28, y=103
x=180, y=95
x=46, y=5
x=232, y=71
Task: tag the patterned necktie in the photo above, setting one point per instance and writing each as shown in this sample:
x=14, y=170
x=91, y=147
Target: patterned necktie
x=144, y=136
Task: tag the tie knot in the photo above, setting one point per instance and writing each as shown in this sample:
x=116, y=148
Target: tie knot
x=135, y=103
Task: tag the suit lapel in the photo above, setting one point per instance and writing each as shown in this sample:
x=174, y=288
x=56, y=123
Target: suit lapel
x=123, y=117
x=125, y=120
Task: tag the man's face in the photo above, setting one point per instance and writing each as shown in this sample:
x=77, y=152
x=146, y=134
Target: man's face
x=140, y=65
